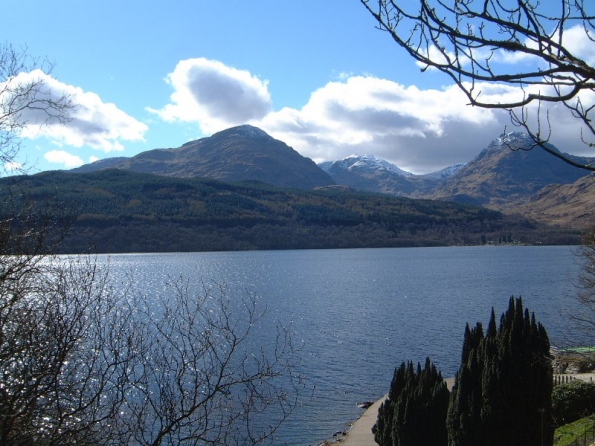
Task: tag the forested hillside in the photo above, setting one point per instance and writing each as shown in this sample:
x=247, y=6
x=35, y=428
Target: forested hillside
x=119, y=211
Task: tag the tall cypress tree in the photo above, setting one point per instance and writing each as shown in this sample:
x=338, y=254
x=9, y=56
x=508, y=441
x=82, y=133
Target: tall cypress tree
x=415, y=411
x=502, y=393
x=463, y=419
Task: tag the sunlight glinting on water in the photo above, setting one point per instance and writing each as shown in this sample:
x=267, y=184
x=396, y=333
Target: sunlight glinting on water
x=357, y=314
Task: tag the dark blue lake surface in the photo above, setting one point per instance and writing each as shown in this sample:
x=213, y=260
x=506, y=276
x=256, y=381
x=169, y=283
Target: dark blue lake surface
x=359, y=313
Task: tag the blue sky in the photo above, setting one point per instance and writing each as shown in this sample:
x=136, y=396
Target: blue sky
x=315, y=74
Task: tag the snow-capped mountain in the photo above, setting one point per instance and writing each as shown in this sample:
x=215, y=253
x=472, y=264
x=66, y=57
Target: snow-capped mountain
x=497, y=176
x=363, y=163
x=373, y=174
x=500, y=175
x=512, y=140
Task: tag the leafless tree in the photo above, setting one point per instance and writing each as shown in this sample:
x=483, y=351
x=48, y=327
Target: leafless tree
x=66, y=350
x=39, y=318
x=83, y=364
x=468, y=40
x=24, y=95
x=202, y=379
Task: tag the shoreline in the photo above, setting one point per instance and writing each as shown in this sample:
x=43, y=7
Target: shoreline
x=360, y=433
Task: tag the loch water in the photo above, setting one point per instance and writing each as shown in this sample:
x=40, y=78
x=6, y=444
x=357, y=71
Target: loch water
x=358, y=313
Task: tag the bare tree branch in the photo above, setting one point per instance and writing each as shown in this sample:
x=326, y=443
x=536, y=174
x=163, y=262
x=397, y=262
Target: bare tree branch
x=201, y=381
x=23, y=93
x=81, y=364
x=468, y=39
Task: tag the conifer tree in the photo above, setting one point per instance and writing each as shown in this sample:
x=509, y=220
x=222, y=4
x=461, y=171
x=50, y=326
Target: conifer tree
x=415, y=411
x=502, y=392
x=465, y=405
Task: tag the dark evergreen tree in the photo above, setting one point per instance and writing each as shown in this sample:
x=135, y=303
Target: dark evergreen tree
x=502, y=392
x=466, y=398
x=416, y=408
x=386, y=413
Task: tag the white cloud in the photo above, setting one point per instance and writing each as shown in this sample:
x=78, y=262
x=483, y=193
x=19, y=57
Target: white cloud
x=214, y=95
x=65, y=159
x=355, y=114
x=440, y=57
x=418, y=130
x=581, y=44
x=12, y=166
x=92, y=122
x=575, y=39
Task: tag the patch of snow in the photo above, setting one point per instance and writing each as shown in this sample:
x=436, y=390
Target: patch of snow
x=364, y=163
x=251, y=131
x=510, y=140
x=445, y=173
x=326, y=165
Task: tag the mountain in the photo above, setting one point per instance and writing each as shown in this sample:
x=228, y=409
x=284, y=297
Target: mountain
x=237, y=154
x=363, y=164
x=371, y=174
x=569, y=205
x=506, y=173
x=505, y=176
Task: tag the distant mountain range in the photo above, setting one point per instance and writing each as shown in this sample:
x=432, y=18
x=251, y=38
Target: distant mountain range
x=505, y=176
x=508, y=175
x=371, y=174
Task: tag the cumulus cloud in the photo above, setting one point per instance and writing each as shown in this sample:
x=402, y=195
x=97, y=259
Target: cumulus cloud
x=575, y=39
x=579, y=41
x=65, y=159
x=91, y=122
x=214, y=95
x=420, y=130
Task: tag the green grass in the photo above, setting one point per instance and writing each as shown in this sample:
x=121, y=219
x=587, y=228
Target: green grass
x=565, y=435
x=577, y=350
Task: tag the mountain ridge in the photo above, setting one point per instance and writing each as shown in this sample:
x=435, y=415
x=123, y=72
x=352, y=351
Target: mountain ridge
x=372, y=174
x=510, y=170
x=242, y=153
x=506, y=175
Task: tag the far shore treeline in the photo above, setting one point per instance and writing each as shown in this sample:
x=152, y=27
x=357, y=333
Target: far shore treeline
x=118, y=211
